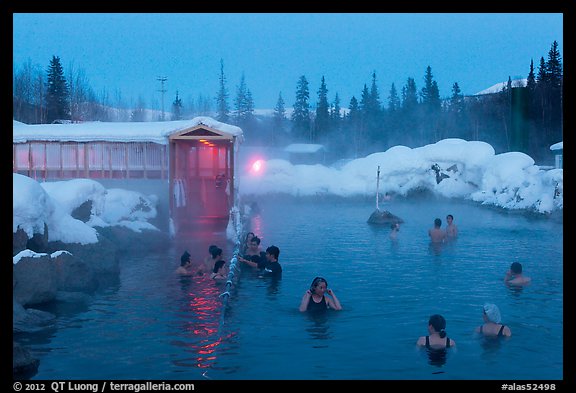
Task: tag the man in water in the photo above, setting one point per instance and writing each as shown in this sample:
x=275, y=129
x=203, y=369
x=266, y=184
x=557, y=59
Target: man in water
x=514, y=276
x=185, y=265
x=273, y=267
x=437, y=235
x=394, y=228
x=451, y=228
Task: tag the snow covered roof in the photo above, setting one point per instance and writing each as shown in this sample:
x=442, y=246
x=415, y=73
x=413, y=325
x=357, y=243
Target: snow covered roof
x=157, y=132
x=557, y=146
x=304, y=148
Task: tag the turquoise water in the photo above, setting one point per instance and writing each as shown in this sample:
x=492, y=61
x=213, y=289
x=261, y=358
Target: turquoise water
x=153, y=325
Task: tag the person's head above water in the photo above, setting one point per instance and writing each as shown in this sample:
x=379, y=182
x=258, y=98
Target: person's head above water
x=492, y=313
x=516, y=268
x=273, y=251
x=438, y=323
x=215, y=252
x=316, y=282
x=185, y=258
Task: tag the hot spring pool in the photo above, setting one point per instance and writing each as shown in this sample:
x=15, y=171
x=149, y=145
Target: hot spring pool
x=153, y=325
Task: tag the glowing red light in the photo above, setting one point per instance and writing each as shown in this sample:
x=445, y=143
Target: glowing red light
x=257, y=166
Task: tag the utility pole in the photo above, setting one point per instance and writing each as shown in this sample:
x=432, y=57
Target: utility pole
x=162, y=79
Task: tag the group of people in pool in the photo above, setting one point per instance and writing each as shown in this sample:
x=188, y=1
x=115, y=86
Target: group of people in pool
x=213, y=263
x=439, y=235
x=437, y=340
x=319, y=297
x=436, y=233
x=265, y=262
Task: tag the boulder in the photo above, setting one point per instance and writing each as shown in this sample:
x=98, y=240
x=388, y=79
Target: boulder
x=83, y=212
x=24, y=365
x=19, y=240
x=30, y=320
x=383, y=217
x=129, y=241
x=39, y=241
x=101, y=257
x=73, y=274
x=34, y=280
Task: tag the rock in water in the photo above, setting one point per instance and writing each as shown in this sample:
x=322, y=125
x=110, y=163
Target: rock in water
x=383, y=217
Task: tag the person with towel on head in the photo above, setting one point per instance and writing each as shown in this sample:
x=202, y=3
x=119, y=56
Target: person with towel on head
x=492, y=326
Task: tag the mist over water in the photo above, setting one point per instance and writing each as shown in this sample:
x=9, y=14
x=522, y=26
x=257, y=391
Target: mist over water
x=154, y=325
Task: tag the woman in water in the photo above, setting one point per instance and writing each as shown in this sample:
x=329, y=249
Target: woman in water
x=492, y=326
x=219, y=271
x=436, y=342
x=315, y=298
x=437, y=338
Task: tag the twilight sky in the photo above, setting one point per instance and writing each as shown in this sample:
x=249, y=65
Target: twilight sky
x=128, y=52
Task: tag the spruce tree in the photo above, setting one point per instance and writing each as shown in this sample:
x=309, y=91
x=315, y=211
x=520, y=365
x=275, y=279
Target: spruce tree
x=243, y=104
x=57, y=95
x=374, y=113
x=354, y=122
x=531, y=80
x=554, y=67
x=335, y=110
x=278, y=120
x=301, y=114
x=177, y=108
x=542, y=77
x=322, y=121
x=337, y=138
x=375, y=105
x=457, y=99
x=430, y=94
x=393, y=99
x=554, y=93
x=409, y=96
x=222, y=98
x=409, y=113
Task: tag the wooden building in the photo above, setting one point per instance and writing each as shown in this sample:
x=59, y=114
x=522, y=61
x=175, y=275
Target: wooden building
x=197, y=158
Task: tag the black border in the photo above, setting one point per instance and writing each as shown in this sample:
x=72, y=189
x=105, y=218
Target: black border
x=565, y=7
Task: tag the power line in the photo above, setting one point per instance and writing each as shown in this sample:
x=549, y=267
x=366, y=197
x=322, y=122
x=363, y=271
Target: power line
x=162, y=90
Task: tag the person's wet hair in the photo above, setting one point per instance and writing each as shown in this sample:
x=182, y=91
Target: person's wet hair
x=185, y=258
x=439, y=324
x=438, y=222
x=516, y=267
x=317, y=281
x=273, y=250
x=215, y=252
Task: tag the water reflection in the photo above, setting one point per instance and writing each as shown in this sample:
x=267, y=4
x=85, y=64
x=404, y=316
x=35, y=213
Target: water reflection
x=256, y=225
x=318, y=327
x=273, y=286
x=435, y=248
x=515, y=290
x=199, y=309
x=437, y=357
